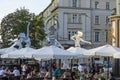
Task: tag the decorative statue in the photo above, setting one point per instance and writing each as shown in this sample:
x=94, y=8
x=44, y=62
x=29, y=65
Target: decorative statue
x=22, y=38
x=27, y=40
x=58, y=44
x=113, y=12
x=51, y=40
x=111, y=37
x=16, y=42
x=77, y=38
x=51, y=35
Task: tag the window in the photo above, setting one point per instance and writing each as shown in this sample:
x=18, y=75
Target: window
x=74, y=3
x=74, y=18
x=107, y=5
x=80, y=19
x=97, y=36
x=97, y=20
x=96, y=4
x=106, y=35
x=70, y=34
x=107, y=19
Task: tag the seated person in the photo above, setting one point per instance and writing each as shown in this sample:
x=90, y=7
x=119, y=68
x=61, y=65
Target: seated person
x=66, y=74
x=57, y=73
x=47, y=74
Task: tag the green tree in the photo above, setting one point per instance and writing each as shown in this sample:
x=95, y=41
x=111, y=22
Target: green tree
x=37, y=33
x=16, y=22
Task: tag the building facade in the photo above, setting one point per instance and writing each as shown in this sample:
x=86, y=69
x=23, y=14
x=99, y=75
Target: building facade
x=88, y=16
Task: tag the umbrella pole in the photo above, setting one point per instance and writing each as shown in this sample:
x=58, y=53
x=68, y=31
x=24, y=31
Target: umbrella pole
x=41, y=62
x=71, y=63
x=51, y=68
x=20, y=65
x=59, y=63
x=77, y=63
x=108, y=67
x=92, y=59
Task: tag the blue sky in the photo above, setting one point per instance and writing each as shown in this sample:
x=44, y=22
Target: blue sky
x=34, y=6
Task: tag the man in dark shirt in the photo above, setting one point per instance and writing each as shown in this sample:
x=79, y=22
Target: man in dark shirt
x=73, y=74
x=111, y=77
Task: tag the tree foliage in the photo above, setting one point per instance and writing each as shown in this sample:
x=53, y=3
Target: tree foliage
x=16, y=22
x=37, y=31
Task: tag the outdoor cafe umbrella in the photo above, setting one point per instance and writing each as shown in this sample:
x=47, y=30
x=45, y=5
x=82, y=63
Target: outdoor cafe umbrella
x=106, y=50
x=77, y=51
x=117, y=55
x=6, y=50
x=52, y=52
x=20, y=53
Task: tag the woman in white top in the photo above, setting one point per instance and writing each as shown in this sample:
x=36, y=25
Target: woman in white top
x=23, y=69
x=47, y=74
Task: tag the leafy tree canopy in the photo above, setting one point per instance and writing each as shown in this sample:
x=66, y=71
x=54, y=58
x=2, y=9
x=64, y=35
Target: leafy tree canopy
x=16, y=22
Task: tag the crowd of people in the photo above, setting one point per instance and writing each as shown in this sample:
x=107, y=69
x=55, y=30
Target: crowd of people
x=53, y=72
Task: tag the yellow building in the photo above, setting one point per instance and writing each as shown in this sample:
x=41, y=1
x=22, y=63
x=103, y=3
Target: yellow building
x=88, y=16
x=115, y=19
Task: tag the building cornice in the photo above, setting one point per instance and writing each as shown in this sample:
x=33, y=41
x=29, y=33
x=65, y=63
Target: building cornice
x=54, y=9
x=114, y=17
x=74, y=8
x=51, y=15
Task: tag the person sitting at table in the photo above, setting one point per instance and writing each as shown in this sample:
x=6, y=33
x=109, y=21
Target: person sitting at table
x=47, y=74
x=95, y=76
x=29, y=76
x=41, y=73
x=8, y=72
x=34, y=72
x=66, y=74
x=102, y=73
x=73, y=74
x=16, y=74
x=95, y=69
x=111, y=76
x=3, y=73
x=57, y=73
x=86, y=74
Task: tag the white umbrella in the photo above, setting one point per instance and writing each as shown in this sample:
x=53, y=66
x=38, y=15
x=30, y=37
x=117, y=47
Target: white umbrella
x=2, y=51
x=52, y=52
x=21, y=53
x=106, y=50
x=117, y=55
x=77, y=51
x=7, y=50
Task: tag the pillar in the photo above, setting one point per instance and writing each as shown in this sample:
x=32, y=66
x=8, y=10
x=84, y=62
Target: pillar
x=115, y=19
